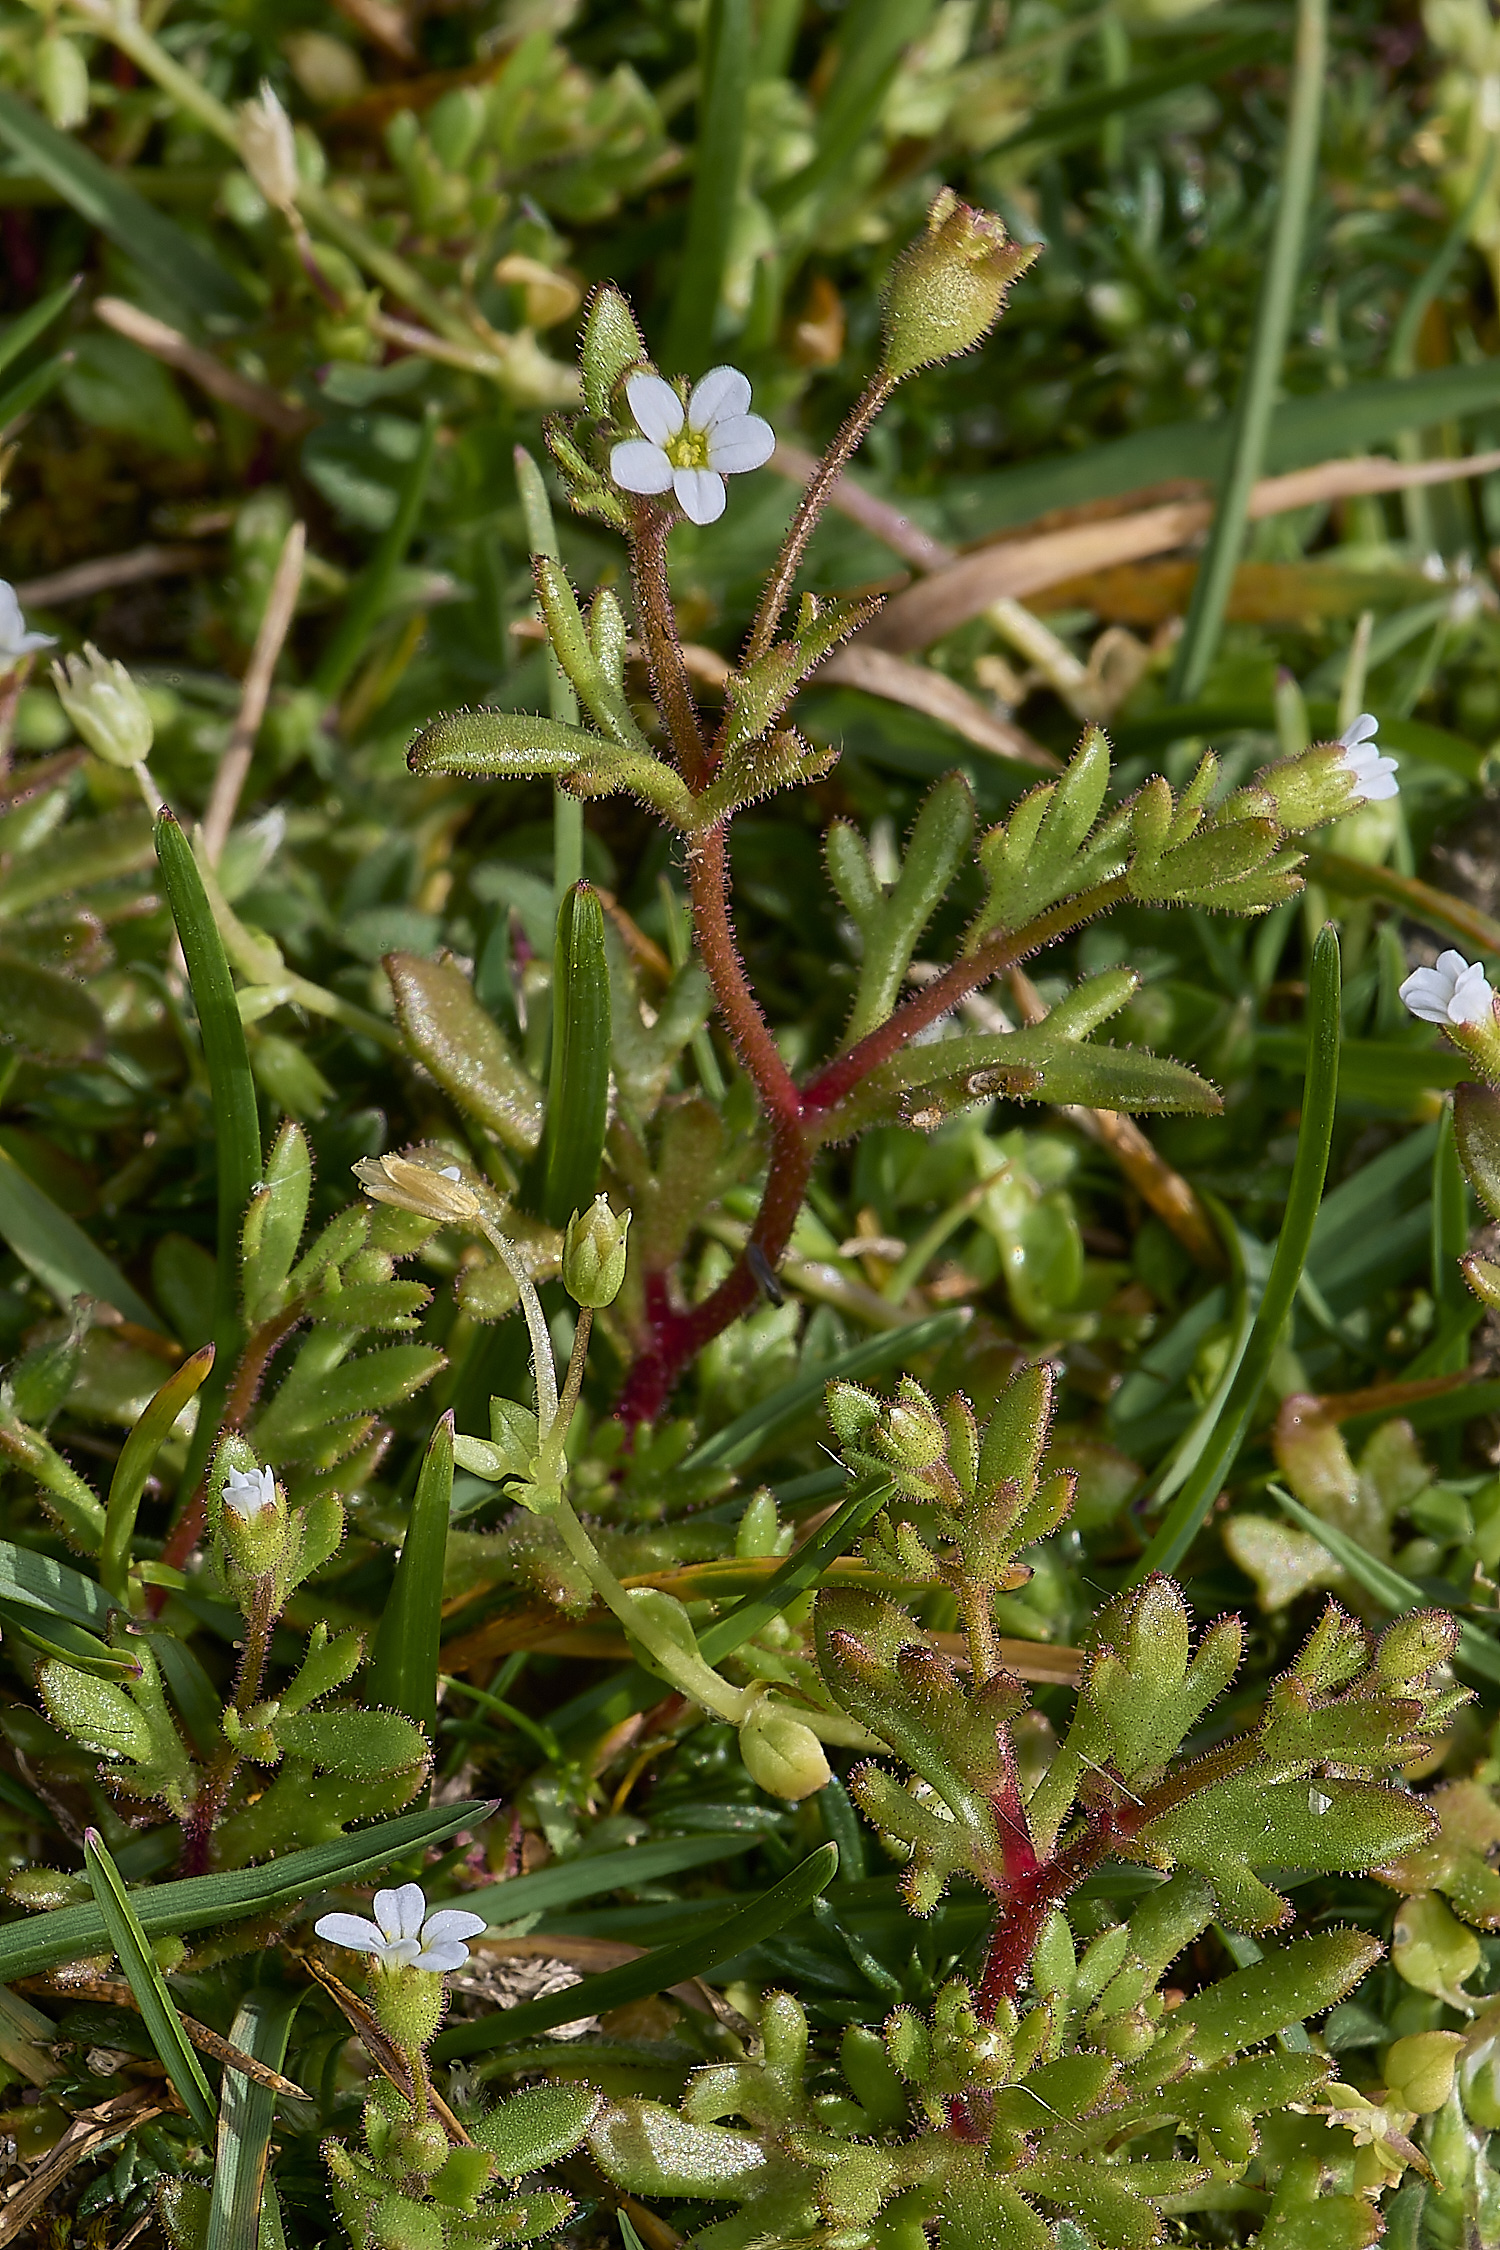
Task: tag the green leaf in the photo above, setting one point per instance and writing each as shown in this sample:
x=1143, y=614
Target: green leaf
x=891, y=921
x=572, y=1144
x=146, y=1981
x=1298, y=1980
x=21, y=333
x=366, y=1385
x=669, y=1964
x=514, y=745
x=1066, y=123
x=361, y=1745
x=33, y=388
x=42, y=1012
x=596, y=1873
x=1476, y=1651
x=71, y=1933
x=70, y=1644
x=74, y=857
x=448, y=1031
x=56, y=1249
x=760, y=1425
x=369, y=596
x=1179, y=1526
x=179, y=265
x=404, y=1659
x=801, y=1571
x=870, y=53
x=273, y=1225
x=137, y=1459
x=32, y=1581
x=261, y=2026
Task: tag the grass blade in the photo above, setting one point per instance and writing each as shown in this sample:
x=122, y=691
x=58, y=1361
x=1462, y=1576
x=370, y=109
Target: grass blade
x=232, y=1091
x=1252, y=418
x=1388, y=1586
x=69, y=1933
x=32, y=388
x=246, y=2110
x=367, y=598
x=735, y=1444
x=597, y=1873
x=146, y=1981
x=572, y=1143
x=404, y=1659
x=1063, y=124
x=56, y=1249
x=164, y=251
x=1179, y=1526
x=32, y=1581
x=801, y=1569
x=1423, y=902
x=718, y=161
x=23, y=332
x=692, y=1956
x=137, y=1459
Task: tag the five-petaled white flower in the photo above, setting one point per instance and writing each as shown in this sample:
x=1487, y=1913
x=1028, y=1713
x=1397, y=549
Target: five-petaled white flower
x=1373, y=775
x=1456, y=991
x=403, y=1934
x=248, y=1492
x=15, y=639
x=690, y=452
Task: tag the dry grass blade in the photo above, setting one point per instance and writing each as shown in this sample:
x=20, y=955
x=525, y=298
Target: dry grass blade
x=1016, y=567
x=275, y=624
x=1423, y=902
x=115, y=1993
x=877, y=672
x=210, y=374
x=90, y=2130
x=105, y=572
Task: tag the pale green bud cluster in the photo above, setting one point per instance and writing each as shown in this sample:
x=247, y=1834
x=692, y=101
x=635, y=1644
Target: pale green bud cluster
x=594, y=1255
x=948, y=288
x=105, y=705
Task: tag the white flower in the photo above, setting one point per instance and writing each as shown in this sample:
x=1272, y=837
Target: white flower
x=691, y=453
x=268, y=149
x=1373, y=776
x=403, y=1934
x=1456, y=991
x=249, y=1492
x=15, y=640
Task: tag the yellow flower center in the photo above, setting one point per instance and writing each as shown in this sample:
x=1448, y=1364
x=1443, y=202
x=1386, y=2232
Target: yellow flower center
x=689, y=449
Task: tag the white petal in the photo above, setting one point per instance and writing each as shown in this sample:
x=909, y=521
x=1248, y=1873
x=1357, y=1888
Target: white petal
x=700, y=494
x=1452, y=964
x=451, y=1922
x=1362, y=729
x=451, y=1956
x=1382, y=782
x=1427, y=995
x=721, y=396
x=401, y=1953
x=656, y=407
x=401, y=1913
x=1472, y=1002
x=351, y=1930
x=740, y=443
x=638, y=466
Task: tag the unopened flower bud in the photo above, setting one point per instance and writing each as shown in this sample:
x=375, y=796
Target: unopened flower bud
x=948, y=288
x=782, y=1755
x=1419, y=2070
x=62, y=80
x=433, y=1191
x=594, y=1254
x=252, y=1515
x=268, y=149
x=105, y=705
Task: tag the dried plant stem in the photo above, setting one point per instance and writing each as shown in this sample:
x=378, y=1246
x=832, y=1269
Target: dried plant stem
x=816, y=495
x=275, y=624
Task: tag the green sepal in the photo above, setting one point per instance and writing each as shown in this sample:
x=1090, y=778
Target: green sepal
x=891, y=921
x=590, y=492
x=610, y=347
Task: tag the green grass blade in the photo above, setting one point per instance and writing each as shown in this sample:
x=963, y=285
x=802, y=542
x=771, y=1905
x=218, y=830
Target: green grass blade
x=692, y=1956
x=572, y=1143
x=1422, y=902
x=165, y=252
x=735, y=1444
x=404, y=1660
x=1273, y=315
x=146, y=1981
x=56, y=1249
x=1179, y=1526
x=69, y=1933
x=717, y=164
x=801, y=1570
x=1450, y=1239
x=69, y=1643
x=1401, y=359
x=22, y=333
x=562, y=702
x=1063, y=124
x=596, y=1873
x=1387, y=1586
x=33, y=1581
x=232, y=1091
x=367, y=597
x=137, y=1459
x=33, y=388
x=261, y=2027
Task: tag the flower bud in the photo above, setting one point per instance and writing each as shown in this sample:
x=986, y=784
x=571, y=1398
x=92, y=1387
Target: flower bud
x=105, y=705
x=611, y=345
x=948, y=288
x=268, y=149
x=62, y=80
x=782, y=1755
x=1419, y=2070
x=594, y=1255
x=252, y=1513
x=433, y=1191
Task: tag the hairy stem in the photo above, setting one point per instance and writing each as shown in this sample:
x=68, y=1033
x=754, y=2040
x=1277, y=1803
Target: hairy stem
x=708, y=886
x=649, y=526
x=815, y=497
x=208, y=1805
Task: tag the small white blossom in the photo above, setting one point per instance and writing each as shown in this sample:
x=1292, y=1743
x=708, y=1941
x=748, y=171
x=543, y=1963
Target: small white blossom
x=268, y=148
x=15, y=640
x=403, y=1934
x=690, y=452
x=249, y=1492
x=1373, y=775
x=1456, y=991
